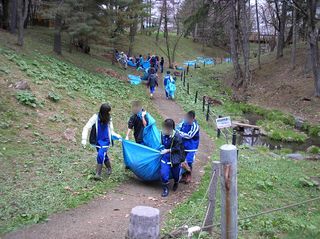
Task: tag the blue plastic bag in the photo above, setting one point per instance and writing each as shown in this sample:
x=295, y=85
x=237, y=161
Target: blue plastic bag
x=146, y=64
x=151, y=134
x=134, y=80
x=130, y=63
x=171, y=88
x=143, y=161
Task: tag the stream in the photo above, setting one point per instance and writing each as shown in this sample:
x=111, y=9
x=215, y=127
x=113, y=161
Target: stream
x=251, y=137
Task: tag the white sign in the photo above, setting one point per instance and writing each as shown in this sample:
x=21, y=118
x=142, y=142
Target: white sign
x=224, y=122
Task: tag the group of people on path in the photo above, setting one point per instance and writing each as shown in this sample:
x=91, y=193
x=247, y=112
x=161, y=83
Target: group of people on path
x=179, y=143
x=138, y=61
x=169, y=84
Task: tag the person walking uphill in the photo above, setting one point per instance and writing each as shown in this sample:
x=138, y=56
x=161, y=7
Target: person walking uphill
x=137, y=122
x=189, y=130
x=101, y=135
x=152, y=81
x=172, y=156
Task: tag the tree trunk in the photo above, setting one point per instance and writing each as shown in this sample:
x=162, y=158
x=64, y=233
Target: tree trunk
x=132, y=34
x=166, y=34
x=5, y=15
x=294, y=37
x=22, y=15
x=282, y=27
x=313, y=43
x=245, y=42
x=57, y=34
x=258, y=29
x=13, y=9
x=160, y=22
x=233, y=42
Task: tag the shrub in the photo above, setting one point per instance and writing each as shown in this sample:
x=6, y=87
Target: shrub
x=28, y=98
x=54, y=97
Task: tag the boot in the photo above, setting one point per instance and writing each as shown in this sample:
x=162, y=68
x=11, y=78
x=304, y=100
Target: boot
x=175, y=186
x=98, y=172
x=108, y=166
x=165, y=191
x=183, y=178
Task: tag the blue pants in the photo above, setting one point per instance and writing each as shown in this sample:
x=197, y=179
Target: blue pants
x=102, y=155
x=152, y=88
x=190, y=156
x=166, y=169
x=167, y=94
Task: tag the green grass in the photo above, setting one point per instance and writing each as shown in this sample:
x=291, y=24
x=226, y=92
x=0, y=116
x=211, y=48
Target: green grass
x=265, y=180
x=41, y=172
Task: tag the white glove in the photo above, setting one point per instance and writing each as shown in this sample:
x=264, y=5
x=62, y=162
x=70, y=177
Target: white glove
x=164, y=151
x=127, y=137
x=143, y=113
x=83, y=142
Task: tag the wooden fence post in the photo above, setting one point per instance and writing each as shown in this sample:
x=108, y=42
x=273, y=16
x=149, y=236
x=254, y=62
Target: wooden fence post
x=188, y=69
x=196, y=98
x=204, y=63
x=188, y=88
x=203, y=103
x=208, y=112
x=208, y=221
x=184, y=80
x=181, y=75
x=144, y=223
x=229, y=198
x=234, y=137
x=195, y=65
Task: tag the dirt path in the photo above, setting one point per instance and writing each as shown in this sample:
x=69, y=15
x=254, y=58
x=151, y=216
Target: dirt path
x=108, y=216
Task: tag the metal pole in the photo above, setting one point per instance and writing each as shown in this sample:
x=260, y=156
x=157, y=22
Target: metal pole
x=196, y=98
x=229, y=198
x=234, y=137
x=208, y=112
x=203, y=103
x=218, y=130
x=208, y=221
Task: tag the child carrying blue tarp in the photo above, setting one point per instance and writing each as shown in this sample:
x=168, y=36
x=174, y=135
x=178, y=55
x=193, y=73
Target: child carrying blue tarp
x=101, y=135
x=189, y=130
x=172, y=156
x=169, y=86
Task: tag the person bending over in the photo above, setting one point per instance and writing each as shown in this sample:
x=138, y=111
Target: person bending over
x=189, y=130
x=172, y=155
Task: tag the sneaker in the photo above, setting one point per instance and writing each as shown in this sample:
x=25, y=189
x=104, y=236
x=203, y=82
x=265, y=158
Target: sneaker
x=175, y=186
x=165, y=191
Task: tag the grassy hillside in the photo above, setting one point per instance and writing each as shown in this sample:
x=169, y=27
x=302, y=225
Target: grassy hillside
x=266, y=179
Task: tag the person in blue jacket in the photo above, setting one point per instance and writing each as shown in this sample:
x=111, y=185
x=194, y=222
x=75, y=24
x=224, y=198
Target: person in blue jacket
x=172, y=155
x=101, y=135
x=189, y=130
x=167, y=79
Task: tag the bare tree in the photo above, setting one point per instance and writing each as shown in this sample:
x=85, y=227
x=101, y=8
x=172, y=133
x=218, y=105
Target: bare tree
x=258, y=30
x=282, y=25
x=22, y=15
x=294, y=37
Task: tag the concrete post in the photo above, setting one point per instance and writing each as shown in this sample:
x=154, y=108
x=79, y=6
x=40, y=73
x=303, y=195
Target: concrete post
x=144, y=223
x=229, y=198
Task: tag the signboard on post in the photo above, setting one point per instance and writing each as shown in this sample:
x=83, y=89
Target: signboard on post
x=224, y=122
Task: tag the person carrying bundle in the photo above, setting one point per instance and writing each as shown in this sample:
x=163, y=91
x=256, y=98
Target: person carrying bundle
x=172, y=156
x=101, y=135
x=189, y=130
x=169, y=86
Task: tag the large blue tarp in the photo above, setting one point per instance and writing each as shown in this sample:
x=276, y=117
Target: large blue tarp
x=134, y=80
x=151, y=134
x=146, y=64
x=130, y=63
x=143, y=161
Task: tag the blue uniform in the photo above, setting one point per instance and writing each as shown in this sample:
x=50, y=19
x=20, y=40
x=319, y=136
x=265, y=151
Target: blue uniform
x=103, y=142
x=190, y=134
x=169, y=162
x=165, y=83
